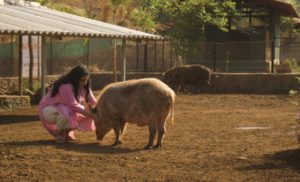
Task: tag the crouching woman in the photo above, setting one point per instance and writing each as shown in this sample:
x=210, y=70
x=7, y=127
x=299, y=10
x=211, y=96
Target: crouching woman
x=66, y=107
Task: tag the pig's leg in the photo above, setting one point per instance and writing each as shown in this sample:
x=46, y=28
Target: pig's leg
x=117, y=130
x=161, y=132
x=152, y=131
x=122, y=128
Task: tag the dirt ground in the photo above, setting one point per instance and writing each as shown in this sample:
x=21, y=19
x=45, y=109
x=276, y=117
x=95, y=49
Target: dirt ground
x=206, y=143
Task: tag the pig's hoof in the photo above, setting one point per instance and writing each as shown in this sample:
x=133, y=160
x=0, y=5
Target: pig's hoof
x=147, y=147
x=157, y=146
x=117, y=143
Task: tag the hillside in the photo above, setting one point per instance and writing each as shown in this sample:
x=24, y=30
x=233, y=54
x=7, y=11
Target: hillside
x=96, y=9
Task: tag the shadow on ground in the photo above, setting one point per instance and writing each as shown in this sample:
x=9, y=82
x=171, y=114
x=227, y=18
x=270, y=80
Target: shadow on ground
x=94, y=147
x=11, y=119
x=280, y=160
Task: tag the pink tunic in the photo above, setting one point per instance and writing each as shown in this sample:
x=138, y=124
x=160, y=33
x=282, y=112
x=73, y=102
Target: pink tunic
x=68, y=106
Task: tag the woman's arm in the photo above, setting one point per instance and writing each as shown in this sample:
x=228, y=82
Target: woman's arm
x=68, y=98
x=88, y=114
x=91, y=99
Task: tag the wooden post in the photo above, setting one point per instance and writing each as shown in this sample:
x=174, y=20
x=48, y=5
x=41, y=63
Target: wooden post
x=114, y=60
x=43, y=65
x=171, y=55
x=275, y=35
x=11, y=56
x=88, y=53
x=31, y=62
x=124, y=58
x=137, y=55
x=214, y=56
x=51, y=55
x=39, y=56
x=20, y=65
x=155, y=54
x=146, y=56
x=163, y=56
x=272, y=57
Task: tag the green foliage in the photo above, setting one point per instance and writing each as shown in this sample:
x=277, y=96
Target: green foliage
x=295, y=92
x=67, y=9
x=116, y=3
x=142, y=19
x=287, y=25
x=119, y=3
x=190, y=16
x=143, y=16
x=188, y=19
x=292, y=63
x=150, y=6
x=36, y=85
x=294, y=3
x=42, y=2
x=287, y=66
x=61, y=7
x=91, y=8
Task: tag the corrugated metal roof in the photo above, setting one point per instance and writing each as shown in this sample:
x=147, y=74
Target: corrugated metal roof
x=285, y=8
x=39, y=20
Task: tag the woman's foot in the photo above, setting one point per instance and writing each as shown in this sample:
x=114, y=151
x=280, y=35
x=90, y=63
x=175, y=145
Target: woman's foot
x=71, y=138
x=60, y=139
x=70, y=135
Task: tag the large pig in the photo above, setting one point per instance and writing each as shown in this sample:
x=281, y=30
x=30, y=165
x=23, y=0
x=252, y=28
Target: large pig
x=145, y=101
x=194, y=74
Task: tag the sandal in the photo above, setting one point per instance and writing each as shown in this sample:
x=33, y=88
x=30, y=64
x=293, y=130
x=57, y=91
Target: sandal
x=60, y=139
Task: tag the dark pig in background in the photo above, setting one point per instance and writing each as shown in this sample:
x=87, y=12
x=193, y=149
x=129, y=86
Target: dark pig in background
x=195, y=74
x=146, y=101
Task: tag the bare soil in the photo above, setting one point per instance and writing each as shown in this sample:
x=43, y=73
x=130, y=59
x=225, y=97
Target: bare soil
x=204, y=144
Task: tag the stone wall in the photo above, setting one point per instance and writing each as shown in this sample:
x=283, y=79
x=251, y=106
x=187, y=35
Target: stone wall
x=8, y=85
x=14, y=101
x=254, y=83
x=249, y=83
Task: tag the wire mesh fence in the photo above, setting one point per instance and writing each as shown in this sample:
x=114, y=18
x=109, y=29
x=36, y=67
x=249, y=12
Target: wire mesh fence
x=62, y=53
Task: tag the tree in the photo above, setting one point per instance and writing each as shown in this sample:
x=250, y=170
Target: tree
x=184, y=21
x=188, y=18
x=287, y=24
x=118, y=4
x=142, y=20
x=62, y=7
x=143, y=16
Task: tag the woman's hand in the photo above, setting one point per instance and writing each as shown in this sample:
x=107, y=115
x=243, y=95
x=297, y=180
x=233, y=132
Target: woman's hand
x=85, y=105
x=89, y=114
x=94, y=116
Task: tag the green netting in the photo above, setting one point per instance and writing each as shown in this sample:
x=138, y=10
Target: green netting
x=5, y=51
x=8, y=59
x=74, y=48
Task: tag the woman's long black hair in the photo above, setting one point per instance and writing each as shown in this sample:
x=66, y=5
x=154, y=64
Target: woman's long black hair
x=73, y=77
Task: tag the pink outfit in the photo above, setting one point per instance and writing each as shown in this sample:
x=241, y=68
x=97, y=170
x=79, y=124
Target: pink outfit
x=64, y=101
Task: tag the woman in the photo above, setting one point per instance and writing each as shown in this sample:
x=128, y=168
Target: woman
x=66, y=107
